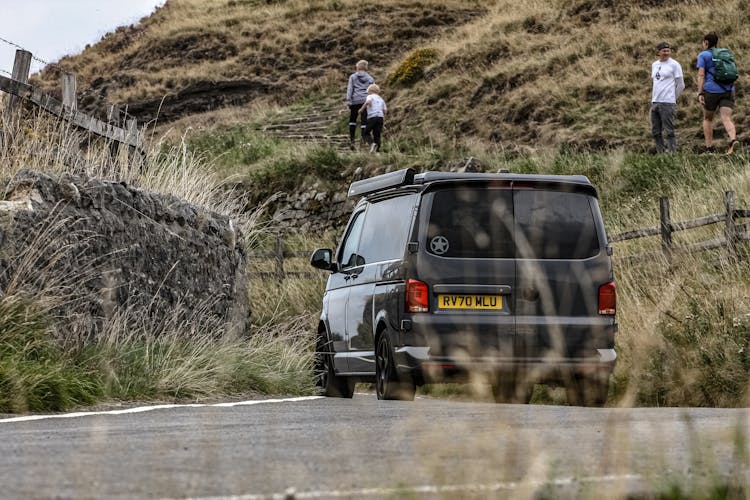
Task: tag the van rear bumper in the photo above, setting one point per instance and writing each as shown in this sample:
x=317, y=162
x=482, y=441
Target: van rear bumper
x=418, y=362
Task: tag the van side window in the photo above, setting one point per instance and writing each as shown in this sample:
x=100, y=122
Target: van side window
x=471, y=223
x=385, y=234
x=348, y=256
x=554, y=225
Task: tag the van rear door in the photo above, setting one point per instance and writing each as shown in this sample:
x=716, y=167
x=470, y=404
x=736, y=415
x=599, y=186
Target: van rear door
x=561, y=262
x=469, y=267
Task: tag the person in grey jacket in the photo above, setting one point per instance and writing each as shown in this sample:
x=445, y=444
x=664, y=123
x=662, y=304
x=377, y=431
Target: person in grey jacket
x=356, y=94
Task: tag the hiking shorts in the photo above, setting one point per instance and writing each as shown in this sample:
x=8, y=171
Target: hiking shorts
x=713, y=101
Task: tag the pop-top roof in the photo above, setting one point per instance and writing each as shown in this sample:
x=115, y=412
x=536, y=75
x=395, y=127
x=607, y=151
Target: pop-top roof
x=408, y=176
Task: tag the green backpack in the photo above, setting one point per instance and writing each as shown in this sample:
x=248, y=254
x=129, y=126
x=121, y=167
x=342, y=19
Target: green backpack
x=725, y=69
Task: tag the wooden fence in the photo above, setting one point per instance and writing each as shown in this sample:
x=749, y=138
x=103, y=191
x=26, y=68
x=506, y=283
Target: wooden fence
x=121, y=132
x=278, y=256
x=733, y=234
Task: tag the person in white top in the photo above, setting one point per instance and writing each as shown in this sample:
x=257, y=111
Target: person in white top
x=375, y=108
x=669, y=83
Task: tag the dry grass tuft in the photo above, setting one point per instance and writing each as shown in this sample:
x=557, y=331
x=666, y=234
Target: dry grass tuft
x=46, y=365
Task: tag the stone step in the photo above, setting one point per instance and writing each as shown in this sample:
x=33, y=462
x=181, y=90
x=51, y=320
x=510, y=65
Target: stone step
x=299, y=125
x=315, y=137
x=297, y=122
x=315, y=117
x=310, y=125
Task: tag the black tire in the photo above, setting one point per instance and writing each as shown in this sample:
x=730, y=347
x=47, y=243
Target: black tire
x=327, y=383
x=506, y=388
x=587, y=391
x=388, y=383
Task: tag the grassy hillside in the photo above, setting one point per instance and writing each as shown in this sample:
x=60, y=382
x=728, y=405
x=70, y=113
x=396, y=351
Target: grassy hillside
x=540, y=87
x=500, y=74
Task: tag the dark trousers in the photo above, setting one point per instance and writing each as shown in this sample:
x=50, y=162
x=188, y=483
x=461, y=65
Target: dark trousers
x=373, y=130
x=353, y=113
x=662, y=123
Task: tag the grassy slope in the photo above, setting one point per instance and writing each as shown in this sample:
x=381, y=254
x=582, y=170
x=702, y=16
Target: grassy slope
x=538, y=87
x=572, y=72
x=568, y=72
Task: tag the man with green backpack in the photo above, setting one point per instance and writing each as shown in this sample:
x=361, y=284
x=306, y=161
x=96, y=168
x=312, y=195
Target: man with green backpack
x=717, y=73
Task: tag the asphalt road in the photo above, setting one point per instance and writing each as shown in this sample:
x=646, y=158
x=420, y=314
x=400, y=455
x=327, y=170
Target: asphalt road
x=364, y=448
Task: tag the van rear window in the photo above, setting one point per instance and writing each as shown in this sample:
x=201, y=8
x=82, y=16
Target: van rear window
x=471, y=223
x=554, y=225
x=480, y=223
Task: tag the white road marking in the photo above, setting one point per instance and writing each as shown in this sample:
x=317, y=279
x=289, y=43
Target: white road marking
x=142, y=409
x=291, y=493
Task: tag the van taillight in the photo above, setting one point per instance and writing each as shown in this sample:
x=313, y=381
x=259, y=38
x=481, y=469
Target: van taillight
x=417, y=298
x=607, y=299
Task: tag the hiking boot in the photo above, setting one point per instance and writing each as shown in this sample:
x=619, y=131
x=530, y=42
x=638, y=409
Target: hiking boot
x=374, y=148
x=732, y=146
x=353, y=146
x=706, y=150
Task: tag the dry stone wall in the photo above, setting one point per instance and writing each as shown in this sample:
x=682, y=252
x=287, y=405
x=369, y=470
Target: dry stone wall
x=321, y=207
x=313, y=209
x=111, y=246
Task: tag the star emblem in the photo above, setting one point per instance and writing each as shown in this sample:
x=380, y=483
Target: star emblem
x=439, y=245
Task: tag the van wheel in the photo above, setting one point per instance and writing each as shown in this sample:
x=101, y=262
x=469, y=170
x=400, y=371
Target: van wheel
x=506, y=389
x=388, y=384
x=327, y=383
x=587, y=391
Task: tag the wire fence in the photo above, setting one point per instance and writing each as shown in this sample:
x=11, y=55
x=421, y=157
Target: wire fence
x=97, y=93
x=35, y=58
x=118, y=126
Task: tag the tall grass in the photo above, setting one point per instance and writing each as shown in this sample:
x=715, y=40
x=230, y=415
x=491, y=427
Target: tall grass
x=36, y=374
x=683, y=326
x=45, y=364
x=684, y=332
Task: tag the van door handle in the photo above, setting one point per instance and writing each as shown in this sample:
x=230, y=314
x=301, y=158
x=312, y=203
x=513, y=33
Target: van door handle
x=355, y=276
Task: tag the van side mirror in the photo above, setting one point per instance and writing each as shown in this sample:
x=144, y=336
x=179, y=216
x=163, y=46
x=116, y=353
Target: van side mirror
x=322, y=258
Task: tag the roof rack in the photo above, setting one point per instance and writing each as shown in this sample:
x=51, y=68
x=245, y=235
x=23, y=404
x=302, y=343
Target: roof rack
x=382, y=182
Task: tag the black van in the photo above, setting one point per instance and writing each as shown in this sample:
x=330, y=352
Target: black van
x=440, y=274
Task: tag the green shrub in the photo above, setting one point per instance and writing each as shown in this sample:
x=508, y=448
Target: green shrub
x=412, y=69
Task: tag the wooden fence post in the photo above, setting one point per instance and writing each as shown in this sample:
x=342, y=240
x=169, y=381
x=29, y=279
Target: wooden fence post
x=665, y=224
x=70, y=101
x=69, y=91
x=114, y=117
x=136, y=155
x=730, y=231
x=21, y=68
x=279, y=256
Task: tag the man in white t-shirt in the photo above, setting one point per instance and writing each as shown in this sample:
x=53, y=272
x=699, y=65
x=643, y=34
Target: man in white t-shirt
x=669, y=83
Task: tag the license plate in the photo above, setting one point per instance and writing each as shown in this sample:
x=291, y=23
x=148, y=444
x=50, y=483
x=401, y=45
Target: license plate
x=490, y=302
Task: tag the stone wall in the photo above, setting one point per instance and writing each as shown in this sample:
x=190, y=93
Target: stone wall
x=111, y=246
x=312, y=209
x=321, y=207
